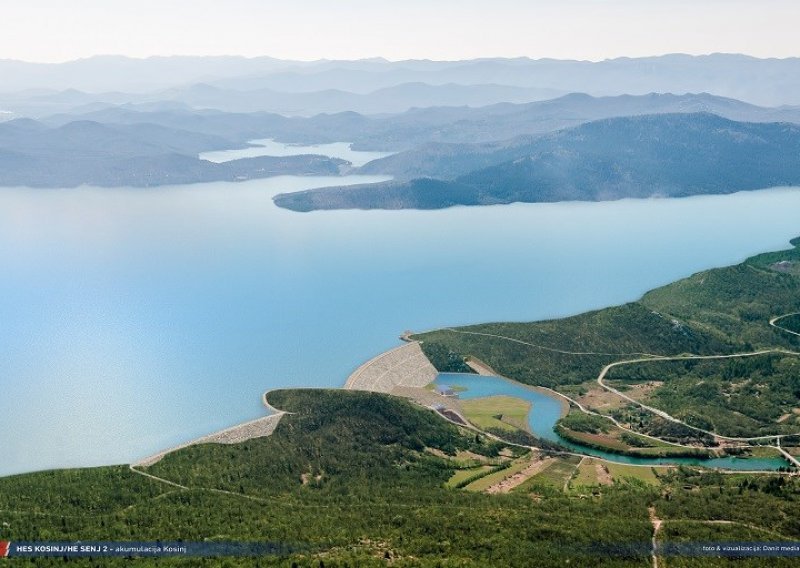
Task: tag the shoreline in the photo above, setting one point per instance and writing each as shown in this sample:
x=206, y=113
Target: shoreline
x=238, y=433
x=403, y=366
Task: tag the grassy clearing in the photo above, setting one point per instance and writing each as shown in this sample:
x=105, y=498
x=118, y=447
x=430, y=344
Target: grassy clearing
x=466, y=459
x=600, y=441
x=501, y=412
x=555, y=475
x=587, y=474
x=648, y=475
x=594, y=472
x=484, y=483
x=462, y=475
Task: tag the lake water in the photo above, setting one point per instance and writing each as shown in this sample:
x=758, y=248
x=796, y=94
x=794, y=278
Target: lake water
x=268, y=147
x=134, y=319
x=546, y=410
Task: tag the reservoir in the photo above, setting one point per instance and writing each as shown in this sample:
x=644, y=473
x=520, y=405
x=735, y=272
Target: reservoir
x=135, y=319
x=546, y=410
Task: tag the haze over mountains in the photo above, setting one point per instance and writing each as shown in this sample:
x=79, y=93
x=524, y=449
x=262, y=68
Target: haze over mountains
x=464, y=132
x=84, y=152
x=669, y=155
x=379, y=86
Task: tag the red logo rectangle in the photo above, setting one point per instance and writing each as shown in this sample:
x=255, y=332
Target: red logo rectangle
x=4, y=546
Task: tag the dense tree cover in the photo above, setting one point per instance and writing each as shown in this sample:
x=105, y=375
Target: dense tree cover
x=750, y=396
x=672, y=155
x=597, y=338
x=719, y=311
x=445, y=360
x=646, y=422
x=768, y=501
x=792, y=323
x=379, y=499
x=379, y=496
x=582, y=422
x=345, y=437
x=734, y=303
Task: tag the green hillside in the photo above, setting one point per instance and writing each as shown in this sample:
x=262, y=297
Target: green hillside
x=361, y=479
x=374, y=494
x=666, y=155
x=718, y=311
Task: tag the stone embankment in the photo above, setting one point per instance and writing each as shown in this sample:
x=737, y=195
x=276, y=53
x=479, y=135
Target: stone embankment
x=257, y=428
x=404, y=366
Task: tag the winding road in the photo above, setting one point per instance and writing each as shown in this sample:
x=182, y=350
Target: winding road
x=649, y=357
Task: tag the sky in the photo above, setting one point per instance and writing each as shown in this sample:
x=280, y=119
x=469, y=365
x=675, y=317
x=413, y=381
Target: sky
x=58, y=30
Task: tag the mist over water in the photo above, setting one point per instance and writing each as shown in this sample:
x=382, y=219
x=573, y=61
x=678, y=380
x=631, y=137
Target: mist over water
x=131, y=320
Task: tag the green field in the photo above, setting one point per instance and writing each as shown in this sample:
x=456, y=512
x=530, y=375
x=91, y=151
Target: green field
x=553, y=476
x=484, y=483
x=587, y=474
x=497, y=412
x=463, y=475
x=762, y=452
x=621, y=472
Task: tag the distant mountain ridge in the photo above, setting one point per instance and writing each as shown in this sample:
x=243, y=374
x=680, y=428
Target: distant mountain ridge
x=770, y=82
x=410, y=129
x=86, y=152
x=393, y=99
x=443, y=143
x=669, y=155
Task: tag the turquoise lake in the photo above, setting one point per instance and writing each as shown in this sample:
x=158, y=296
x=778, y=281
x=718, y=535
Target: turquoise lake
x=135, y=319
x=546, y=410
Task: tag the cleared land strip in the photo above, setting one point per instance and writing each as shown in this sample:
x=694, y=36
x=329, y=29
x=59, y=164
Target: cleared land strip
x=535, y=466
x=404, y=366
x=543, y=347
x=155, y=478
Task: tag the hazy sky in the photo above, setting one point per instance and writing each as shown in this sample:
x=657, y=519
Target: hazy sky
x=58, y=30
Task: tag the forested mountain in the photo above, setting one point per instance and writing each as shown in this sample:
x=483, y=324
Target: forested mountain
x=650, y=156
x=443, y=124
x=759, y=81
x=84, y=152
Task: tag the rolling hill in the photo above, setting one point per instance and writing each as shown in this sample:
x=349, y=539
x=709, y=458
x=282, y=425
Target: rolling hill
x=673, y=155
x=86, y=152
